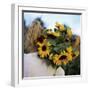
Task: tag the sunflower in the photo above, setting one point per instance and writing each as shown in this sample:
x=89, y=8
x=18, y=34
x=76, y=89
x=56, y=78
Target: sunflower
x=69, y=55
x=75, y=54
x=72, y=53
x=69, y=49
x=60, y=26
x=69, y=52
x=55, y=34
x=41, y=40
x=69, y=33
x=44, y=50
x=62, y=58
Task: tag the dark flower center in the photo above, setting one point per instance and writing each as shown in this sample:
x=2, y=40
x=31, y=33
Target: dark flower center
x=58, y=26
x=63, y=57
x=66, y=39
x=40, y=39
x=51, y=36
x=44, y=48
x=73, y=55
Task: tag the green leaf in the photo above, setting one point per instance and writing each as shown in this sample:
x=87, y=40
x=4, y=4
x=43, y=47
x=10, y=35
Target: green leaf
x=60, y=39
x=73, y=68
x=52, y=42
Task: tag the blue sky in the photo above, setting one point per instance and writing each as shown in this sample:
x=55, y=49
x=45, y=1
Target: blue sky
x=74, y=21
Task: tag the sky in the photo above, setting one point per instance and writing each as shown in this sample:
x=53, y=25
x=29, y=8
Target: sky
x=74, y=21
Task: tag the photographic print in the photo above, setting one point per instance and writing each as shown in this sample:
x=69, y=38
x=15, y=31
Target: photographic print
x=51, y=43
x=47, y=43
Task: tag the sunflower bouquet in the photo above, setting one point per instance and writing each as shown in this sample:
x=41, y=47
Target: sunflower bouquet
x=57, y=46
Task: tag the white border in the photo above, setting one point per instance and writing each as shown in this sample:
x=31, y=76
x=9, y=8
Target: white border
x=16, y=67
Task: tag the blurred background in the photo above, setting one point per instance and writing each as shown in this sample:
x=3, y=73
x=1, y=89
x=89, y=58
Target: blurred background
x=49, y=20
